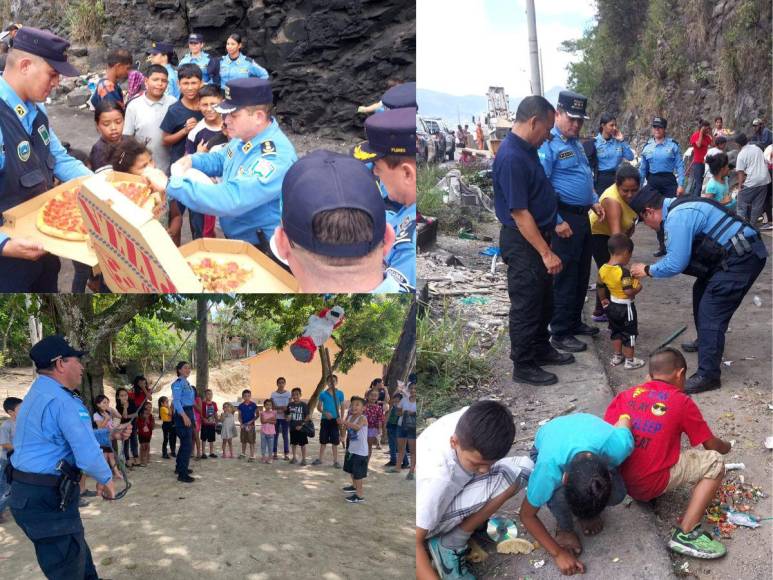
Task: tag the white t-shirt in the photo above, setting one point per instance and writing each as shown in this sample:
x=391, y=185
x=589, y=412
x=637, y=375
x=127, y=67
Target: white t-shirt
x=281, y=400
x=98, y=418
x=143, y=122
x=406, y=405
x=439, y=477
x=768, y=154
x=752, y=162
x=7, y=430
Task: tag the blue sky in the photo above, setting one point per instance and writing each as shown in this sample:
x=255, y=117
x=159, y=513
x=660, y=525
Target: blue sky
x=465, y=46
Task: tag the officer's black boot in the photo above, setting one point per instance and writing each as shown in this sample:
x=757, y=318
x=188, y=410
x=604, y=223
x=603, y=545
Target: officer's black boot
x=568, y=343
x=533, y=375
x=554, y=357
x=699, y=384
x=691, y=346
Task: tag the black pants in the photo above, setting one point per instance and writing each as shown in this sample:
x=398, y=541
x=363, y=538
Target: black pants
x=131, y=444
x=696, y=172
x=768, y=207
x=531, y=301
x=170, y=437
x=571, y=284
x=186, y=440
x=604, y=181
x=41, y=275
x=60, y=544
x=665, y=184
x=600, y=252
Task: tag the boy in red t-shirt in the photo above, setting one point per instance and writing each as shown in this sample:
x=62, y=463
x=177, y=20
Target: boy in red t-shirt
x=660, y=412
x=208, y=424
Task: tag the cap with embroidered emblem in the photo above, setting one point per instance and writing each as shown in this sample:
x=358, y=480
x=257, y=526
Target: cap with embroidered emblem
x=659, y=122
x=161, y=48
x=400, y=96
x=389, y=133
x=573, y=104
x=198, y=38
x=51, y=349
x=46, y=45
x=245, y=93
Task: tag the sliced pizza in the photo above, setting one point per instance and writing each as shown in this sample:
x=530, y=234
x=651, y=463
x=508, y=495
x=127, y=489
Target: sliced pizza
x=140, y=194
x=60, y=217
x=220, y=276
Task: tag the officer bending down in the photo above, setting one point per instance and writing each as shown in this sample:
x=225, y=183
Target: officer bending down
x=725, y=254
x=53, y=445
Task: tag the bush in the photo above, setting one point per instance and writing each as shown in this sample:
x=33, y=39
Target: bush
x=85, y=20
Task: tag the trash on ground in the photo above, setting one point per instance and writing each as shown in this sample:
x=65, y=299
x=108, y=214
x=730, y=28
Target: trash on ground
x=515, y=546
x=538, y=563
x=476, y=554
x=732, y=466
x=769, y=442
x=742, y=519
x=757, y=301
x=615, y=560
x=501, y=529
x=490, y=251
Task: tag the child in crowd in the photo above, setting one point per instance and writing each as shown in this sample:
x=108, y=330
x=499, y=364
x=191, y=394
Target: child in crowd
x=7, y=431
x=108, y=117
x=128, y=410
x=119, y=63
x=228, y=430
x=406, y=436
x=197, y=403
x=356, y=459
x=267, y=431
x=464, y=479
x=718, y=188
x=167, y=428
x=208, y=422
x=393, y=430
x=616, y=289
x=103, y=419
x=162, y=54
x=247, y=415
x=374, y=413
x=660, y=412
x=145, y=426
x=575, y=474
x=280, y=399
x=145, y=114
x=298, y=412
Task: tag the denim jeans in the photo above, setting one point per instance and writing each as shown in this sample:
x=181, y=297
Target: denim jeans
x=283, y=427
x=5, y=489
x=267, y=444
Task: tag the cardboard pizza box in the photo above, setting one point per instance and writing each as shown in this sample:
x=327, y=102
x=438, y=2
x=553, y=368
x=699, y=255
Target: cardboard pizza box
x=136, y=254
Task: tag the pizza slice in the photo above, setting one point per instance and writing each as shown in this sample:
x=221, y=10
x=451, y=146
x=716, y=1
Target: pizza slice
x=217, y=276
x=60, y=217
x=140, y=194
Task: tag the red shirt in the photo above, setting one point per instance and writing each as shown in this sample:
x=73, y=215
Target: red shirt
x=375, y=415
x=660, y=413
x=699, y=153
x=209, y=411
x=145, y=427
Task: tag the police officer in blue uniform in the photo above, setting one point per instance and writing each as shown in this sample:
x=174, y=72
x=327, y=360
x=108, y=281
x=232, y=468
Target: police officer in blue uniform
x=183, y=397
x=252, y=167
x=724, y=252
x=566, y=165
x=54, y=443
x=197, y=56
x=391, y=147
x=611, y=149
x=234, y=64
x=30, y=152
x=660, y=158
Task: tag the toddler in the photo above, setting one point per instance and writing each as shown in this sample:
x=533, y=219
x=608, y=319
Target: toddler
x=228, y=429
x=267, y=431
x=145, y=425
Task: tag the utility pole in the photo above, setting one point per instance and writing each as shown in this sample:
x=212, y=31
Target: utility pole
x=534, y=56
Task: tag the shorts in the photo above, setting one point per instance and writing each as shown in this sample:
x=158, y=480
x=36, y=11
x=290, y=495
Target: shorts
x=620, y=327
x=693, y=466
x=247, y=436
x=298, y=437
x=357, y=465
x=329, y=433
x=208, y=433
x=406, y=433
x=144, y=439
x=372, y=433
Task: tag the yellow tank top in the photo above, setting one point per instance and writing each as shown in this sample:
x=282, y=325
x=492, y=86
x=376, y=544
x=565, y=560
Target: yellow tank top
x=166, y=416
x=616, y=279
x=627, y=218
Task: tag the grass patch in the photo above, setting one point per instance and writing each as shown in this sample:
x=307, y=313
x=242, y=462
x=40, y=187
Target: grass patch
x=86, y=20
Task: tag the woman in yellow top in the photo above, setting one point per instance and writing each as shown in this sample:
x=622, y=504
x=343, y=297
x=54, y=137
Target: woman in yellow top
x=167, y=427
x=619, y=219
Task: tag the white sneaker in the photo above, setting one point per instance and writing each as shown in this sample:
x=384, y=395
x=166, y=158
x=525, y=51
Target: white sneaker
x=766, y=227
x=617, y=359
x=633, y=363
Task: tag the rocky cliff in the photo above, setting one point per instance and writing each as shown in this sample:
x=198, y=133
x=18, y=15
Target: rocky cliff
x=325, y=57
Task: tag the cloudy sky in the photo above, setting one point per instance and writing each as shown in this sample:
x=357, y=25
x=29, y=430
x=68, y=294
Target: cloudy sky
x=464, y=46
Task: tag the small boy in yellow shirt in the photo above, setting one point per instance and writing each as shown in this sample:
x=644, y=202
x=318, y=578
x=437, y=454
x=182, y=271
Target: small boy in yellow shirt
x=616, y=289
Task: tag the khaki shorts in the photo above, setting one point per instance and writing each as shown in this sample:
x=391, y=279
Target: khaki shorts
x=247, y=436
x=694, y=465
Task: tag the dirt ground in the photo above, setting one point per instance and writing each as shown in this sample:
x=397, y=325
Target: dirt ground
x=244, y=520
x=633, y=545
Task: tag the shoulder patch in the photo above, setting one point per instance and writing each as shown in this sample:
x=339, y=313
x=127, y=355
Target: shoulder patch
x=23, y=150
x=268, y=148
x=566, y=154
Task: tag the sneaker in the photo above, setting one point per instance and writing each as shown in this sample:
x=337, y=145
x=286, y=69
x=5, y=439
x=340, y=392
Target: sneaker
x=355, y=499
x=302, y=463
x=203, y=456
x=390, y=464
x=410, y=476
x=293, y=461
x=349, y=489
x=242, y=456
x=287, y=458
x=337, y=465
x=89, y=493
x=185, y=478
x=251, y=460
x=617, y=359
x=276, y=457
x=633, y=363
x=600, y=317
x=449, y=563
x=766, y=227
x=317, y=462
x=698, y=544
x=214, y=456
x=165, y=456
x=173, y=454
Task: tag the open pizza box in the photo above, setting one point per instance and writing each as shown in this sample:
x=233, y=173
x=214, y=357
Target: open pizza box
x=136, y=254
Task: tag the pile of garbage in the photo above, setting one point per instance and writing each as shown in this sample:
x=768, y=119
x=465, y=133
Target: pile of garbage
x=469, y=192
x=732, y=506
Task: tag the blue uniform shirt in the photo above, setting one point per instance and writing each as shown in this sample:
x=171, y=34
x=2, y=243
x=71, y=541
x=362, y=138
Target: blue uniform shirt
x=173, y=88
x=183, y=395
x=54, y=425
x=388, y=286
x=664, y=157
x=202, y=61
x=401, y=259
x=249, y=195
x=567, y=167
x=240, y=68
x=611, y=153
x=66, y=167
x=681, y=226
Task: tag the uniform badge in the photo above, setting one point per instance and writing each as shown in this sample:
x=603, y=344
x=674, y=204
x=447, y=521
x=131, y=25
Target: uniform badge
x=229, y=152
x=20, y=111
x=43, y=132
x=268, y=148
x=566, y=154
x=23, y=150
x=247, y=146
x=263, y=169
x=240, y=171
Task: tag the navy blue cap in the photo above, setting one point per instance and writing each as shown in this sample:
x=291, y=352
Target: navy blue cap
x=574, y=104
x=642, y=198
x=51, y=349
x=245, y=93
x=161, y=48
x=195, y=38
x=322, y=181
x=391, y=132
x=400, y=96
x=659, y=122
x=46, y=45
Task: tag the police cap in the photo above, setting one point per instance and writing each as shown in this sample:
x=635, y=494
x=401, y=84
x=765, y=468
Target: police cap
x=400, y=96
x=46, y=45
x=52, y=348
x=659, y=122
x=642, y=198
x=245, y=93
x=573, y=104
x=197, y=38
x=323, y=181
x=391, y=132
x=161, y=48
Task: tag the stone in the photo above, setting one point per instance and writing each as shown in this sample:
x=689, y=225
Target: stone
x=78, y=96
x=77, y=51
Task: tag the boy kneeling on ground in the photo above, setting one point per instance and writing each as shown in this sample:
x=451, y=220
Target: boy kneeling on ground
x=575, y=475
x=463, y=478
x=660, y=412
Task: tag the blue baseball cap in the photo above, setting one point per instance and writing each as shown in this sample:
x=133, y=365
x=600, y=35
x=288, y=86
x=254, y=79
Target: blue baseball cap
x=195, y=38
x=46, y=45
x=245, y=93
x=642, y=198
x=161, y=48
x=400, y=96
x=52, y=348
x=391, y=132
x=323, y=181
x=574, y=104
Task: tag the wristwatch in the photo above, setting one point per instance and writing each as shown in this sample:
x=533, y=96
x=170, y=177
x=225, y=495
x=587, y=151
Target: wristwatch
x=647, y=270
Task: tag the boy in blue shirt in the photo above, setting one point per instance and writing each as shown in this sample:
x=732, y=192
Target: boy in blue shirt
x=330, y=405
x=575, y=475
x=248, y=411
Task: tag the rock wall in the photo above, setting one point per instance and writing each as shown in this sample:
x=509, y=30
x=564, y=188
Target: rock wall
x=325, y=57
